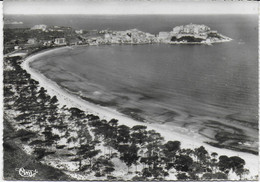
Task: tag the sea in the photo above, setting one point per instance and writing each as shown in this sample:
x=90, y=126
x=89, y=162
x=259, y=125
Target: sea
x=212, y=90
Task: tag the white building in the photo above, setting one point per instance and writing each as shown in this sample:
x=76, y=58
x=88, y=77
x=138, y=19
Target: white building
x=196, y=30
x=176, y=30
x=32, y=41
x=47, y=42
x=186, y=30
x=39, y=27
x=163, y=35
x=17, y=47
x=60, y=41
x=79, y=31
x=107, y=36
x=208, y=41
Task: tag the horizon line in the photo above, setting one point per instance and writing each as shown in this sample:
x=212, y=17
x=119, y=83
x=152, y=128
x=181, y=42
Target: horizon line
x=130, y=14
x=128, y=7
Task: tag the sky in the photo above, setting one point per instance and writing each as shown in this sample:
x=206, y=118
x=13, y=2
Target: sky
x=128, y=7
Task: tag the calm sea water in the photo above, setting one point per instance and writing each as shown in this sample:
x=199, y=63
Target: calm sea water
x=162, y=83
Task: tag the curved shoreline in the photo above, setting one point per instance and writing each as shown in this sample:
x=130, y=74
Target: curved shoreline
x=176, y=133
x=70, y=100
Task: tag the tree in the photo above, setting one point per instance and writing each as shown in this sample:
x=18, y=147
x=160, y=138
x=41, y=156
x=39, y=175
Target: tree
x=196, y=169
x=39, y=152
x=201, y=154
x=122, y=148
x=102, y=166
x=130, y=155
x=206, y=176
x=154, y=143
x=214, y=154
x=86, y=151
x=213, y=162
x=220, y=176
x=8, y=92
x=159, y=173
x=138, y=178
x=236, y=163
x=110, y=136
x=183, y=163
x=52, y=118
x=138, y=134
x=76, y=113
x=109, y=169
x=147, y=173
x=113, y=123
x=182, y=176
x=188, y=152
x=224, y=163
x=49, y=137
x=92, y=117
x=144, y=161
x=54, y=100
x=42, y=95
x=139, y=128
x=53, y=106
x=33, y=87
x=170, y=148
x=41, y=121
x=123, y=134
x=241, y=171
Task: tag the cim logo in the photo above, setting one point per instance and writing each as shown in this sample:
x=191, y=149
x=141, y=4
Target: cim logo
x=26, y=173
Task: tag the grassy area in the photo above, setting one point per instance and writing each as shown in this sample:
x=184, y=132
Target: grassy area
x=14, y=158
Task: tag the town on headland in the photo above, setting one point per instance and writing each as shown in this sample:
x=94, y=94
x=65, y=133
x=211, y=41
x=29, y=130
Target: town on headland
x=50, y=36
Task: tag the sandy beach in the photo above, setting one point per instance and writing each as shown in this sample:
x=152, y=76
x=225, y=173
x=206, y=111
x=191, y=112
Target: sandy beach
x=188, y=138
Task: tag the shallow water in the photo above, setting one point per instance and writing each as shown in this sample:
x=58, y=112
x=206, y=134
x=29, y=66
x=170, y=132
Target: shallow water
x=187, y=77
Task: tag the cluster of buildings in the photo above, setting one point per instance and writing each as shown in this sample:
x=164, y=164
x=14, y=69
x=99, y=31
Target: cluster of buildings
x=59, y=41
x=132, y=36
x=183, y=33
x=56, y=41
x=44, y=28
x=192, y=30
x=59, y=36
x=43, y=35
x=180, y=34
x=33, y=42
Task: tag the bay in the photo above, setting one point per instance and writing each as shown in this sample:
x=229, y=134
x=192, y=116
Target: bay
x=184, y=85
